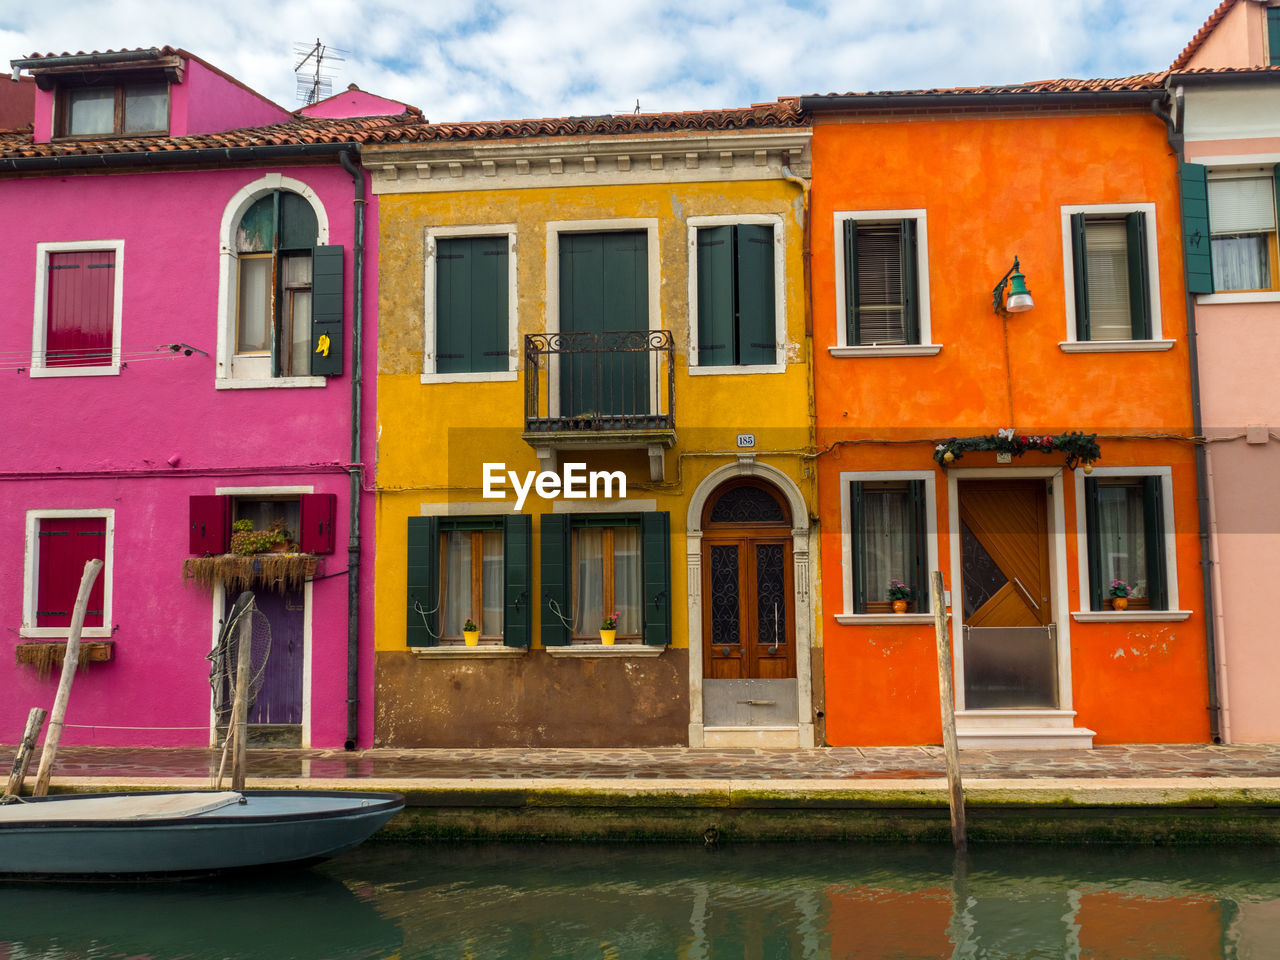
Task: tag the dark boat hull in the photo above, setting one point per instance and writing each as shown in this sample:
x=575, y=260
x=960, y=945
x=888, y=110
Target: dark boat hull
x=270, y=828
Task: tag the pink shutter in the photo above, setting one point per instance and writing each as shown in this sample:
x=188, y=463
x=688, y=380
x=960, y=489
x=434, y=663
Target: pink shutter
x=81, y=298
x=319, y=510
x=210, y=525
x=66, y=544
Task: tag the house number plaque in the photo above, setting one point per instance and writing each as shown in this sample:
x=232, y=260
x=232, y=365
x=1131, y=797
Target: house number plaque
x=747, y=440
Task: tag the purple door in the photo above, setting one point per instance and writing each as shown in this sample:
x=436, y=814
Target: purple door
x=280, y=699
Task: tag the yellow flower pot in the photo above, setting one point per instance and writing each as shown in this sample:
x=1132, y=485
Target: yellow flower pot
x=608, y=636
x=471, y=637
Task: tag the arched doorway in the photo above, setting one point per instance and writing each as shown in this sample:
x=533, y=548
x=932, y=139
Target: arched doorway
x=748, y=617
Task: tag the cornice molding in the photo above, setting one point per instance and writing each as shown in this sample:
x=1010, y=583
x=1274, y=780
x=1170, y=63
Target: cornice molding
x=598, y=161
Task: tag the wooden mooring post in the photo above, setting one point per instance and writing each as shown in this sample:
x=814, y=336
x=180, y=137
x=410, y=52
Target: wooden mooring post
x=69, y=665
x=955, y=791
x=26, y=750
x=240, y=706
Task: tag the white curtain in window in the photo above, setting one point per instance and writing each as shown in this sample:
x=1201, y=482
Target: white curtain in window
x=1241, y=263
x=492, y=545
x=457, y=579
x=588, y=599
x=1107, y=265
x=1121, y=529
x=626, y=579
x=884, y=543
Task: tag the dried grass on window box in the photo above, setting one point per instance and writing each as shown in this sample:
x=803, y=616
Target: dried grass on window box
x=46, y=655
x=281, y=572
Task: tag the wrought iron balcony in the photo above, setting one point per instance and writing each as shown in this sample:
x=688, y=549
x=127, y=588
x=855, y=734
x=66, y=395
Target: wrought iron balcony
x=616, y=383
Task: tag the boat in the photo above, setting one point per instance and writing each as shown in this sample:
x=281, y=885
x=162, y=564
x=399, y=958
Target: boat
x=166, y=834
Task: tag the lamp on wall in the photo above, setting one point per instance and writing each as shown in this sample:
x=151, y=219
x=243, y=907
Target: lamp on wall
x=1019, y=300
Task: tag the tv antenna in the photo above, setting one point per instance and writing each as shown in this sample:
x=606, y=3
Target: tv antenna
x=315, y=82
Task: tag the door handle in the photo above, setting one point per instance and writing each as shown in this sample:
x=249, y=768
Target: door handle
x=1026, y=594
x=759, y=703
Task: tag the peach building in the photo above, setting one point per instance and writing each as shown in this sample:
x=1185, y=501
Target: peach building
x=1225, y=89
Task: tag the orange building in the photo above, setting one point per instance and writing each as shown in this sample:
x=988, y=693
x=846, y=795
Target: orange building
x=1039, y=457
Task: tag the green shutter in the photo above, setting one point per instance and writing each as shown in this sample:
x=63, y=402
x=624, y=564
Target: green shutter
x=753, y=259
x=715, y=297
x=423, y=606
x=517, y=579
x=557, y=577
x=1139, y=276
x=1093, y=537
x=851, y=282
x=1273, y=35
x=910, y=282
x=1153, y=533
x=918, y=562
x=1195, y=227
x=656, y=554
x=857, y=534
x=297, y=229
x=472, y=304
x=326, y=311
x=1079, y=262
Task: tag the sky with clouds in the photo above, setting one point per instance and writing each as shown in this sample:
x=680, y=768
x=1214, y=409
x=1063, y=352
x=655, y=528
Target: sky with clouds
x=509, y=59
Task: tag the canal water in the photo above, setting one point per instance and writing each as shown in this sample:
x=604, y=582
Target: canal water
x=622, y=901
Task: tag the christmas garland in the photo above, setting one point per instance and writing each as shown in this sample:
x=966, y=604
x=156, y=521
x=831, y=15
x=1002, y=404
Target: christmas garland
x=1079, y=447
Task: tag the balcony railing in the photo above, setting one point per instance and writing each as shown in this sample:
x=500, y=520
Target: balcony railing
x=589, y=384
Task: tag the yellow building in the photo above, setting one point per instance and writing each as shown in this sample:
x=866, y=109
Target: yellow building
x=594, y=404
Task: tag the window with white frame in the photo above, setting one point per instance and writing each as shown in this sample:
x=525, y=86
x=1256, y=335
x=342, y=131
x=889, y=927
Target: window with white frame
x=78, y=300
x=1126, y=522
x=281, y=296
x=1112, y=278
x=470, y=328
x=59, y=544
x=888, y=536
x=735, y=293
x=1242, y=223
x=882, y=283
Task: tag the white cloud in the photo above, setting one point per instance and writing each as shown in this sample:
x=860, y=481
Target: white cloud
x=520, y=58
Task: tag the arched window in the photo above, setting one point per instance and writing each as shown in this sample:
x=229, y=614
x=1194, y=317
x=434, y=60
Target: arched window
x=283, y=288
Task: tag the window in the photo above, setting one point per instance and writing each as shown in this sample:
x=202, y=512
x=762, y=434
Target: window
x=59, y=543
x=1110, y=265
x=307, y=518
x=78, y=300
x=887, y=529
x=1125, y=524
x=735, y=285
x=470, y=295
x=1242, y=224
x=1273, y=36
x=124, y=109
x=882, y=286
x=282, y=293
x=594, y=565
x=476, y=568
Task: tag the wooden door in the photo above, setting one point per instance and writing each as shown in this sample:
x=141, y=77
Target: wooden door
x=1004, y=553
x=279, y=695
x=748, y=620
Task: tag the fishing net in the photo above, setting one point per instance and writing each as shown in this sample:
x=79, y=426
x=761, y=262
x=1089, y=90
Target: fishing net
x=244, y=622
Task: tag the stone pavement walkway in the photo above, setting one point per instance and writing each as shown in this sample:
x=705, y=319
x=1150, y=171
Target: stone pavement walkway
x=1163, y=761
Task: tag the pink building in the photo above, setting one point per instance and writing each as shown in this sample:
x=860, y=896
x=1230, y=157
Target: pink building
x=1226, y=87
x=190, y=287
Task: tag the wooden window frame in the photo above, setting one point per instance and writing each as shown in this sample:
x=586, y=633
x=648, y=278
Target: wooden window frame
x=121, y=87
x=477, y=580
x=31, y=573
x=1272, y=236
x=607, y=599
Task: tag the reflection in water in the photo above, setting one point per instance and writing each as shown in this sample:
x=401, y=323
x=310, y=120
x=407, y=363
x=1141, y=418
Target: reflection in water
x=619, y=901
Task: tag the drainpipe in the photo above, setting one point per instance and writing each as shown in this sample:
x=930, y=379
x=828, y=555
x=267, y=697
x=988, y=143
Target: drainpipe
x=1203, y=490
x=356, y=469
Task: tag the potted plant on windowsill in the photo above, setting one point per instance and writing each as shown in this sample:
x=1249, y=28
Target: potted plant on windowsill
x=246, y=540
x=901, y=595
x=470, y=633
x=609, y=629
x=1119, y=594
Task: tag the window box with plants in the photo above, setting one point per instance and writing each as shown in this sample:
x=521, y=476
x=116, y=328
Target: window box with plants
x=258, y=557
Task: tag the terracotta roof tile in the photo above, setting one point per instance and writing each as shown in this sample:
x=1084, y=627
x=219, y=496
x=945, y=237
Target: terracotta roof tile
x=298, y=130
x=1202, y=34
x=784, y=113
x=1142, y=81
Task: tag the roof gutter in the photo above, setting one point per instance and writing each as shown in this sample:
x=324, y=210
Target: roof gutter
x=1065, y=98
x=85, y=59
x=152, y=158
x=1221, y=79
